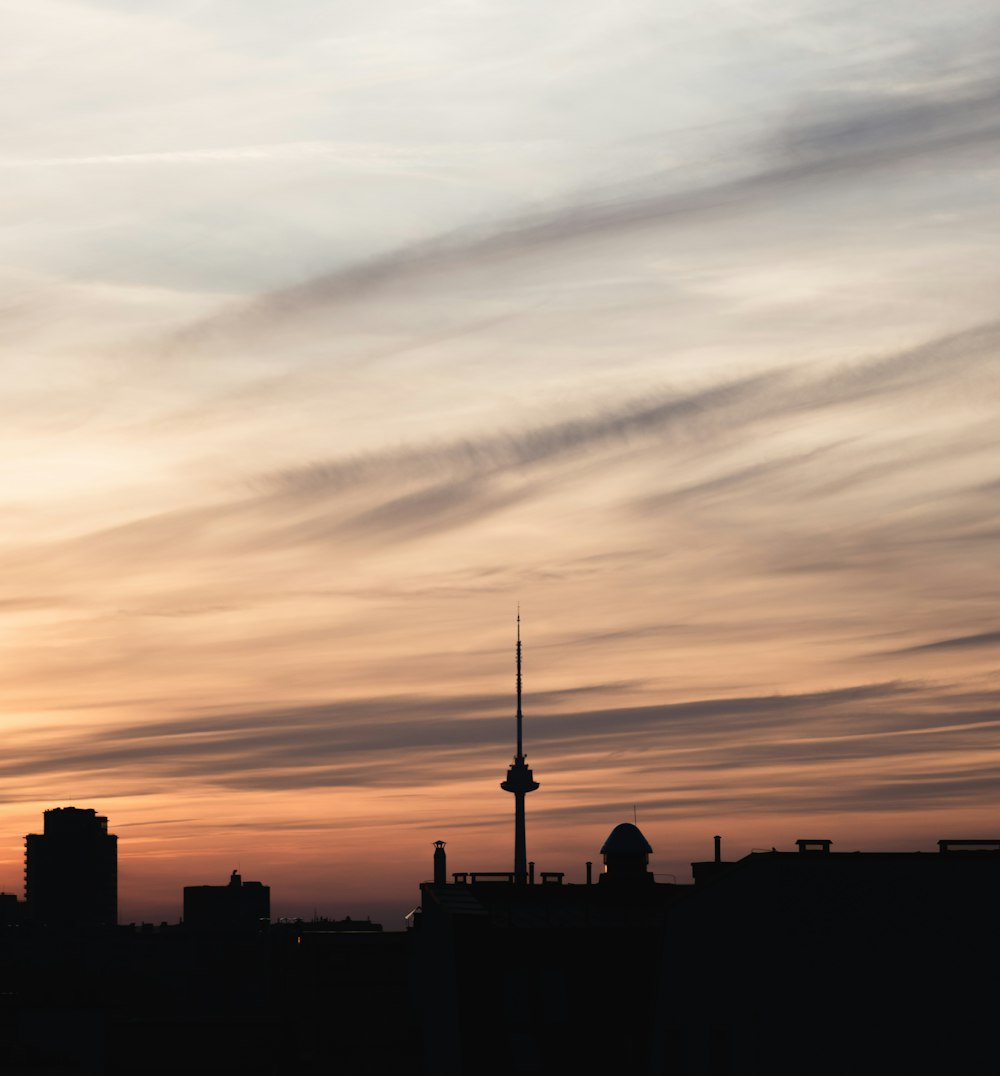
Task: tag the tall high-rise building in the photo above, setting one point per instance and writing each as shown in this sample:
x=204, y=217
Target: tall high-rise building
x=71, y=870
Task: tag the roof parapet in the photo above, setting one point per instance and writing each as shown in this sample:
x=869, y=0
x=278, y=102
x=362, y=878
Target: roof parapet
x=992, y=845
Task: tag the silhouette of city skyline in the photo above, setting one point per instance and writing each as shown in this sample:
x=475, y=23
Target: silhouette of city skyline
x=71, y=868
x=506, y=971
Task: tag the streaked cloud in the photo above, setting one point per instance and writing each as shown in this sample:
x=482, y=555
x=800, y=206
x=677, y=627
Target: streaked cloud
x=863, y=135
x=983, y=638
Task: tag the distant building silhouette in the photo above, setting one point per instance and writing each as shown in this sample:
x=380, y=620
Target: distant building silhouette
x=11, y=910
x=237, y=906
x=71, y=870
x=322, y=925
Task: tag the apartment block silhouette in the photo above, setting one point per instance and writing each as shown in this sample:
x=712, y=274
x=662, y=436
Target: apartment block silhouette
x=71, y=870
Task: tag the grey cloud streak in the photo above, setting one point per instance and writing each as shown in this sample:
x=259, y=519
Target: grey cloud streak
x=958, y=642
x=393, y=742
x=721, y=410
x=506, y=452
x=776, y=392
x=862, y=135
x=452, y=481
x=415, y=490
x=976, y=785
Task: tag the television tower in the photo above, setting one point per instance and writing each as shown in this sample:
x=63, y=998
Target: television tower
x=519, y=781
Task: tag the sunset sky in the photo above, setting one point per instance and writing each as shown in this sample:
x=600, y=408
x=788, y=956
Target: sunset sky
x=331, y=332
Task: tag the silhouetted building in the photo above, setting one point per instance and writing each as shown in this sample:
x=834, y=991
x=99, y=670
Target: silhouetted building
x=11, y=910
x=777, y=963
x=320, y=924
x=237, y=906
x=71, y=870
x=832, y=962
x=512, y=977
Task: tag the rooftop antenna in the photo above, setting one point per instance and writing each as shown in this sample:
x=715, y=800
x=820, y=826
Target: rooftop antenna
x=520, y=780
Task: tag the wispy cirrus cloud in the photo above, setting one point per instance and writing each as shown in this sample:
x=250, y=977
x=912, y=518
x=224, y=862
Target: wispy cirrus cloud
x=836, y=142
x=377, y=742
x=415, y=489
x=866, y=749
x=701, y=413
x=958, y=642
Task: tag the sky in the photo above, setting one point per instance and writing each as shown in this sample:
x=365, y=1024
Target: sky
x=331, y=333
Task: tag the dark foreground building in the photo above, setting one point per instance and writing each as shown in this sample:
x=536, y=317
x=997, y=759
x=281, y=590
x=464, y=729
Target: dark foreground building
x=523, y=977
x=785, y=962
x=810, y=961
x=822, y=961
x=166, y=1001
x=71, y=870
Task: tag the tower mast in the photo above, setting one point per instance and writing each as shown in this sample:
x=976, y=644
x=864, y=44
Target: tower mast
x=520, y=780
x=520, y=717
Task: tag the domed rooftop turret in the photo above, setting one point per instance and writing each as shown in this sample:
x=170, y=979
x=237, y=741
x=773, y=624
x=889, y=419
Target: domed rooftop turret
x=626, y=839
x=626, y=856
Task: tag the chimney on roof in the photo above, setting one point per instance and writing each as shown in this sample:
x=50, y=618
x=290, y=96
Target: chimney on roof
x=440, y=864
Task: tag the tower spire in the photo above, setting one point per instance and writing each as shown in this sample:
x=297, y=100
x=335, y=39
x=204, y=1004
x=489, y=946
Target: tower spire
x=520, y=718
x=520, y=780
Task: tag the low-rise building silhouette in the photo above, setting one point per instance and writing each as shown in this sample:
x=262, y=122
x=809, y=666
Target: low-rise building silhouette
x=71, y=870
x=237, y=906
x=778, y=962
x=12, y=910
